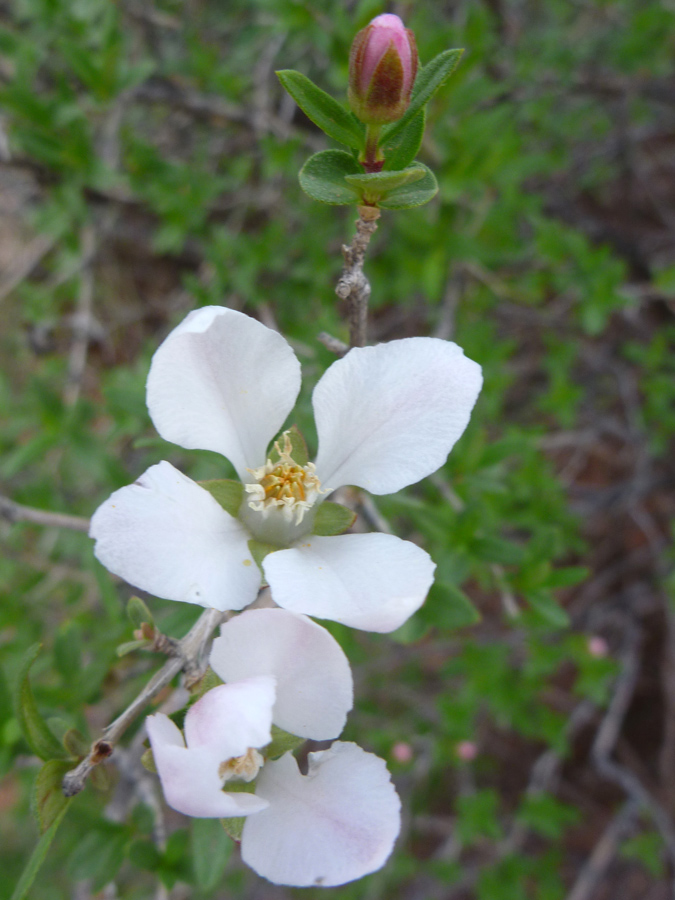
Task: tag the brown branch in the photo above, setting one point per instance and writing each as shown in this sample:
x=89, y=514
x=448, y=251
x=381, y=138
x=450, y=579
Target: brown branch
x=353, y=286
x=15, y=512
x=189, y=659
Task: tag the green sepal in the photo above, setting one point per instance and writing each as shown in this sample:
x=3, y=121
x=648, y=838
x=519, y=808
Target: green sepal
x=76, y=743
x=299, y=450
x=234, y=825
x=401, y=150
x=323, y=177
x=35, y=730
x=210, y=851
x=429, y=79
x=332, y=118
x=208, y=681
x=376, y=186
x=259, y=551
x=48, y=800
x=148, y=761
x=412, y=194
x=138, y=612
x=228, y=492
x=332, y=518
x=130, y=646
x=282, y=741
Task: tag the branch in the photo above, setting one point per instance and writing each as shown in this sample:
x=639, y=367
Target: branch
x=15, y=512
x=189, y=653
x=353, y=285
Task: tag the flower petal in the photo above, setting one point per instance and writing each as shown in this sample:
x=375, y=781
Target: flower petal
x=314, y=681
x=223, y=381
x=333, y=825
x=168, y=536
x=388, y=415
x=369, y=581
x=230, y=718
x=190, y=779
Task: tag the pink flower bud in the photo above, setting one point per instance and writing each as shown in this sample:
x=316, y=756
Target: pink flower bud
x=598, y=647
x=466, y=751
x=382, y=69
x=402, y=752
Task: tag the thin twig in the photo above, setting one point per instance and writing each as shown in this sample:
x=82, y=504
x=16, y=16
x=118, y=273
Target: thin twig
x=15, y=512
x=335, y=345
x=353, y=285
x=190, y=660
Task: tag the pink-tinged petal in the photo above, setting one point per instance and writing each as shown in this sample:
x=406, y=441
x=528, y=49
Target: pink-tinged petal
x=168, y=536
x=314, y=681
x=369, y=581
x=388, y=415
x=190, y=778
x=223, y=381
x=230, y=718
x=335, y=824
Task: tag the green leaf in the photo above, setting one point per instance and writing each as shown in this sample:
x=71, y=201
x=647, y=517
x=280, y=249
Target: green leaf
x=299, y=450
x=138, y=612
x=332, y=118
x=323, y=177
x=459, y=611
x=208, y=681
x=38, y=736
x=282, y=742
x=402, y=149
x=228, y=492
x=48, y=799
x=376, y=186
x=428, y=81
x=211, y=849
x=129, y=647
x=38, y=856
x=415, y=194
x=76, y=743
x=99, y=854
x=148, y=761
x=545, y=605
x=259, y=551
x=333, y=518
x=234, y=825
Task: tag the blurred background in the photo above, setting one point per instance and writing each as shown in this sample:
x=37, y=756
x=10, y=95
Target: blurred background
x=148, y=165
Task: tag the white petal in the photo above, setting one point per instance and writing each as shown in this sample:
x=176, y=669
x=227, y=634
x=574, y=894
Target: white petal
x=388, y=415
x=190, y=779
x=223, y=381
x=369, y=581
x=230, y=718
x=336, y=824
x=314, y=681
x=168, y=536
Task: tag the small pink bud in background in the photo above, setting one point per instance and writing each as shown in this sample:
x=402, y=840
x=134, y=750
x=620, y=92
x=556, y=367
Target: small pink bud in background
x=466, y=751
x=382, y=69
x=598, y=647
x=402, y=752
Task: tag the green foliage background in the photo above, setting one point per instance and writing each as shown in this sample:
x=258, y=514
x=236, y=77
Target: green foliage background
x=155, y=159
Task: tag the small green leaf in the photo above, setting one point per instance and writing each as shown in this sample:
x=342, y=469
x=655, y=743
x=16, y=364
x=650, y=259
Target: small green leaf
x=298, y=447
x=228, y=492
x=48, y=798
x=259, y=551
x=402, y=149
x=428, y=81
x=282, y=742
x=375, y=186
x=76, y=743
x=148, y=761
x=211, y=849
x=460, y=611
x=332, y=518
x=208, y=681
x=138, y=612
x=332, y=118
x=38, y=856
x=38, y=736
x=323, y=177
x=544, y=603
x=100, y=779
x=412, y=194
x=130, y=646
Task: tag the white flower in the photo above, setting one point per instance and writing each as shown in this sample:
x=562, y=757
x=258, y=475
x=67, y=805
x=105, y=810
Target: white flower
x=386, y=416
x=334, y=824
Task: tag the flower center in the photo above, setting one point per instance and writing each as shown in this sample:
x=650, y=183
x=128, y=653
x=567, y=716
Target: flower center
x=243, y=768
x=284, y=485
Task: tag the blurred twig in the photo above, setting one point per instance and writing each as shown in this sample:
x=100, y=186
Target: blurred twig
x=16, y=512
